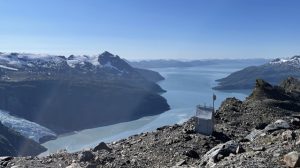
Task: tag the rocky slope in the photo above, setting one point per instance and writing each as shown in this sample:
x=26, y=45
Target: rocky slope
x=72, y=93
x=274, y=72
x=262, y=131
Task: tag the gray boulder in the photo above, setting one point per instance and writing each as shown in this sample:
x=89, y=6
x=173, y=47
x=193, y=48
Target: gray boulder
x=86, y=156
x=102, y=146
x=295, y=121
x=279, y=124
x=224, y=150
x=292, y=159
x=74, y=165
x=192, y=154
x=288, y=135
x=254, y=134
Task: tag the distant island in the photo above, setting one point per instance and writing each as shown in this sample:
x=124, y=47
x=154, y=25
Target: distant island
x=273, y=72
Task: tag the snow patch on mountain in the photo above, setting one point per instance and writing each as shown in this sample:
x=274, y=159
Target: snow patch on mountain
x=293, y=61
x=279, y=61
x=9, y=68
x=29, y=60
x=109, y=65
x=26, y=128
x=74, y=60
x=24, y=59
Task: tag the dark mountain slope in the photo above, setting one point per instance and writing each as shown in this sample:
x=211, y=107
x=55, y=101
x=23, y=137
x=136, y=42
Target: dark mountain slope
x=150, y=75
x=68, y=105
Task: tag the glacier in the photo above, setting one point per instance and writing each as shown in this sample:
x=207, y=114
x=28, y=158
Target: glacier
x=26, y=128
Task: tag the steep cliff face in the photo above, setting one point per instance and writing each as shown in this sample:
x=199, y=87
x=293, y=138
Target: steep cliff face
x=68, y=105
x=13, y=144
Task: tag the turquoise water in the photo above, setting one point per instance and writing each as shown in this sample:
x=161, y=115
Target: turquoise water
x=186, y=87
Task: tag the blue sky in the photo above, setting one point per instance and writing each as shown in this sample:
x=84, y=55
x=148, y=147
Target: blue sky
x=152, y=29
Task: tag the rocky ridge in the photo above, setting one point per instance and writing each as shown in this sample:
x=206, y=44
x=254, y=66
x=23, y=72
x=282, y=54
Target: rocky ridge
x=261, y=131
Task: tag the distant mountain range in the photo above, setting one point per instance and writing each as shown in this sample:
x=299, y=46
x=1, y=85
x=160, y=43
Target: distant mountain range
x=192, y=63
x=273, y=72
x=72, y=93
x=104, y=66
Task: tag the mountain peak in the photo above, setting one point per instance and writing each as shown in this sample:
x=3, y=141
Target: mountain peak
x=111, y=61
x=107, y=54
x=262, y=84
x=71, y=57
x=296, y=56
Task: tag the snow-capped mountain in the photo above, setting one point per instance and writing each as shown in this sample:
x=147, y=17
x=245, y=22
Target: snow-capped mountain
x=29, y=62
x=71, y=93
x=293, y=61
x=23, y=60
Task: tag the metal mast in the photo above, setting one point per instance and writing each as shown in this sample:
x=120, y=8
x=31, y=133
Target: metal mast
x=214, y=99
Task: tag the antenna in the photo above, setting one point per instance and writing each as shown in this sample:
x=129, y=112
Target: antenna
x=214, y=99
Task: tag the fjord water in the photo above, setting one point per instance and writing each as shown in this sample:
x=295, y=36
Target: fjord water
x=186, y=87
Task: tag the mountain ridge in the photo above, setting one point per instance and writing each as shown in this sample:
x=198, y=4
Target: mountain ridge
x=273, y=72
x=103, y=63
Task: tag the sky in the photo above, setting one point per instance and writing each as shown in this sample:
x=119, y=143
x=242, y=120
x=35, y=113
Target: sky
x=152, y=29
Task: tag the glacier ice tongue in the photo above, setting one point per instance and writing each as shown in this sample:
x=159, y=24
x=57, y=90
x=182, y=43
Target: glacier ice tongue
x=26, y=128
